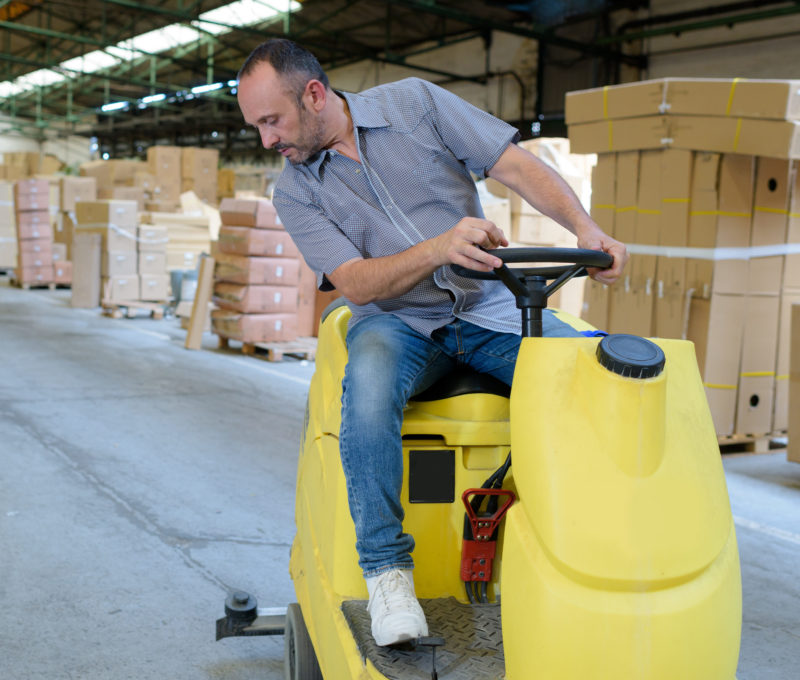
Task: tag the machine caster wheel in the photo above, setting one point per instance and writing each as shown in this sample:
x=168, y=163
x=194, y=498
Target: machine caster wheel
x=299, y=658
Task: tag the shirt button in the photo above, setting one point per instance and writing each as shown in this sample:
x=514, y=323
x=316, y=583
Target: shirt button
x=358, y=170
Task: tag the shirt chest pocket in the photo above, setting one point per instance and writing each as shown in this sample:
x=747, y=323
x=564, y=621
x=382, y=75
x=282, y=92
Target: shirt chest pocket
x=442, y=177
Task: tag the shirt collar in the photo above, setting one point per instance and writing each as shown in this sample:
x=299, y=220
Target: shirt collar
x=363, y=114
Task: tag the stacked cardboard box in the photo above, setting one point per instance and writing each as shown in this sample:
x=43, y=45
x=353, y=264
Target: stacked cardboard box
x=34, y=232
x=72, y=190
x=111, y=175
x=188, y=236
x=8, y=229
x=199, y=173
x=709, y=225
x=164, y=164
x=117, y=224
x=257, y=275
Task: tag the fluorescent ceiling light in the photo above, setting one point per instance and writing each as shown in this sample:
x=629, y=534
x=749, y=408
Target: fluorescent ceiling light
x=114, y=106
x=240, y=13
x=199, y=89
x=152, y=98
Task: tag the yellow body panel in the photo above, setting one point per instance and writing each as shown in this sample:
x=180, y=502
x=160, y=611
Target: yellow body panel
x=620, y=550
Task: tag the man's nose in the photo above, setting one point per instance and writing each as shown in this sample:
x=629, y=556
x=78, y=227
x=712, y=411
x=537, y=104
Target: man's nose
x=268, y=139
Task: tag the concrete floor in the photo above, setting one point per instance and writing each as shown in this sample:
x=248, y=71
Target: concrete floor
x=140, y=482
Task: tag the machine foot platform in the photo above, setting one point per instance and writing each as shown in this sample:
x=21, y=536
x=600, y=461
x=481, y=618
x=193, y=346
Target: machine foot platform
x=473, y=648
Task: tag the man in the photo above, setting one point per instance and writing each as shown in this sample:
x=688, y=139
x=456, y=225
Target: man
x=379, y=198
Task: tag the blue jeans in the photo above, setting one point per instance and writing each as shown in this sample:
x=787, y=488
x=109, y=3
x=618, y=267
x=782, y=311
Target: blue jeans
x=388, y=363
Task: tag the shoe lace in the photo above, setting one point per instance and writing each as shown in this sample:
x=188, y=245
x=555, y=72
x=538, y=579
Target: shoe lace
x=394, y=591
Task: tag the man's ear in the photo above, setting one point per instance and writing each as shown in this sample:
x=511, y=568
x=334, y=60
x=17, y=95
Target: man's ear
x=315, y=95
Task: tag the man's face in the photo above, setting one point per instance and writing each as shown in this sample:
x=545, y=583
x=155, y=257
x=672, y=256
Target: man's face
x=296, y=132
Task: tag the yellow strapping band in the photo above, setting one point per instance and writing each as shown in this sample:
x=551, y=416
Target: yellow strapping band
x=758, y=374
x=627, y=208
x=738, y=132
x=777, y=211
x=719, y=387
x=730, y=96
x=782, y=377
x=718, y=213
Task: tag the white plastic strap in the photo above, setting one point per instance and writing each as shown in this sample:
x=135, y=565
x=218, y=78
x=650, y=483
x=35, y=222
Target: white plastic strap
x=748, y=253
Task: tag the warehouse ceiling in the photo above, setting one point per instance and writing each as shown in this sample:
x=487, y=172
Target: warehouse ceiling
x=132, y=73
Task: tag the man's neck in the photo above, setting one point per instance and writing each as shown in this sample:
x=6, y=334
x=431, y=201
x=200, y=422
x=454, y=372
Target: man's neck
x=343, y=139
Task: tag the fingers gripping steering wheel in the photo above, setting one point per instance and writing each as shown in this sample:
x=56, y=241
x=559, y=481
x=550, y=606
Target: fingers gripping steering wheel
x=529, y=284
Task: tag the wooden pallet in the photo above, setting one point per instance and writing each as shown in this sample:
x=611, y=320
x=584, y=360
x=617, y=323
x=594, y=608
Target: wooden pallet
x=131, y=308
x=27, y=285
x=750, y=443
x=301, y=348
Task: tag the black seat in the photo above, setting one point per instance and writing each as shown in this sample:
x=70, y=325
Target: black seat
x=463, y=380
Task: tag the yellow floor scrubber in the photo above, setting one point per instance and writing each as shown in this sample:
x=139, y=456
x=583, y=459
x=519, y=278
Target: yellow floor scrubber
x=605, y=551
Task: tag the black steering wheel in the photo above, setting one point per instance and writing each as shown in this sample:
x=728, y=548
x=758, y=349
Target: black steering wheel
x=529, y=284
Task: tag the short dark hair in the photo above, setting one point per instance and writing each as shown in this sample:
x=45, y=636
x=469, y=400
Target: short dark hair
x=295, y=64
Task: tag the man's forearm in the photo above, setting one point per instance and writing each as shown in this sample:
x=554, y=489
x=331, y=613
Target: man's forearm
x=382, y=278
x=542, y=187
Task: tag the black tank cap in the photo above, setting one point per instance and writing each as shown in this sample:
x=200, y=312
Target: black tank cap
x=630, y=356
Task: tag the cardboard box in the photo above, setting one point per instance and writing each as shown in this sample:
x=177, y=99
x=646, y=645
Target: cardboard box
x=778, y=99
x=719, y=217
x=791, y=269
x=631, y=134
x=757, y=370
x=671, y=307
x=37, y=246
x=260, y=242
x=152, y=262
x=780, y=418
x=249, y=212
x=751, y=136
x=770, y=223
x=622, y=308
x=199, y=163
x=38, y=202
x=280, y=271
x=793, y=450
x=152, y=239
x=35, y=274
x=75, y=189
x=8, y=252
x=101, y=172
x=540, y=230
x=62, y=273
x=253, y=328
x=129, y=194
x=116, y=221
x=256, y=299
x=164, y=161
x=119, y=263
x=86, y=261
x=121, y=288
x=32, y=187
x=29, y=260
x=63, y=231
x=59, y=252
x=154, y=287
x=716, y=327
x=34, y=225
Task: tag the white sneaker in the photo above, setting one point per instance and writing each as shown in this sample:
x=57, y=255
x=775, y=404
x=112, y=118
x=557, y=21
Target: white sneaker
x=393, y=606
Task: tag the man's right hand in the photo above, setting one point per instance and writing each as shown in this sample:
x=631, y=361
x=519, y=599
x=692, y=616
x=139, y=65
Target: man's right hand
x=464, y=244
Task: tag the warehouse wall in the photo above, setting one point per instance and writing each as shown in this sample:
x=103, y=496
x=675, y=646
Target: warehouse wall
x=69, y=149
x=502, y=95
x=768, y=48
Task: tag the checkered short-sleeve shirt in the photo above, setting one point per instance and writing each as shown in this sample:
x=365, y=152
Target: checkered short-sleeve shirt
x=417, y=143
